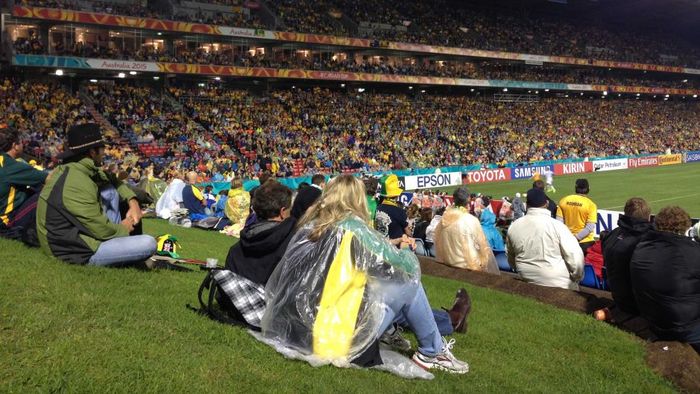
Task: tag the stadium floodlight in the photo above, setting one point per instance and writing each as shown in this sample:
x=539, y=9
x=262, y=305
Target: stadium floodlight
x=654, y=96
x=59, y=72
x=581, y=93
x=156, y=78
x=121, y=75
x=410, y=88
x=605, y=92
x=360, y=90
x=93, y=80
x=667, y=96
x=638, y=95
x=505, y=89
x=160, y=34
x=546, y=90
x=217, y=78
x=619, y=95
x=537, y=92
x=695, y=96
x=132, y=73
x=566, y=95
x=422, y=91
x=201, y=85
x=472, y=90
x=685, y=81
x=342, y=85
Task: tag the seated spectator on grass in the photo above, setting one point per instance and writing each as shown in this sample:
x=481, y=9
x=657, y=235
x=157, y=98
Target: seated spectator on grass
x=543, y=250
x=665, y=275
x=74, y=225
x=618, y=247
x=171, y=199
x=209, y=197
x=19, y=188
x=193, y=199
x=341, y=284
x=307, y=196
x=237, y=206
x=459, y=239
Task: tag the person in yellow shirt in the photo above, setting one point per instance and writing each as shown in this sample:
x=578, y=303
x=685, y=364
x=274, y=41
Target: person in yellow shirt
x=580, y=214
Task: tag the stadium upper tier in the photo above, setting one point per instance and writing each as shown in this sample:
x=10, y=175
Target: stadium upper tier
x=432, y=23
x=294, y=131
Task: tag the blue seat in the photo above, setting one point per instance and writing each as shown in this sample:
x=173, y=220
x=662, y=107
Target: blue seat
x=589, y=278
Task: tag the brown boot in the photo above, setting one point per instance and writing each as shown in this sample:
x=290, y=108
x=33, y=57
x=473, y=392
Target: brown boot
x=460, y=311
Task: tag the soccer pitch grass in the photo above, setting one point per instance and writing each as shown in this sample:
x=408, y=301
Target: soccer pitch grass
x=660, y=186
x=85, y=329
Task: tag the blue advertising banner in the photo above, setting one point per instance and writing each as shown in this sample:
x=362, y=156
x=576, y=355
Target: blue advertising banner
x=528, y=172
x=692, y=157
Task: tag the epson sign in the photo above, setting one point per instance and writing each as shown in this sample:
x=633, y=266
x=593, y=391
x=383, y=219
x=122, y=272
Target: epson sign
x=429, y=181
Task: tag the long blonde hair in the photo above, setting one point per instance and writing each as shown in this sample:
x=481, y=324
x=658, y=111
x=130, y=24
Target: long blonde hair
x=342, y=197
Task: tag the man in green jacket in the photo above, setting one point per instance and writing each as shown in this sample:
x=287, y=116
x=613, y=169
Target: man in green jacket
x=19, y=183
x=73, y=224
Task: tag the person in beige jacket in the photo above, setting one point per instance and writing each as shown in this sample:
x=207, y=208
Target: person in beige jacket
x=543, y=250
x=459, y=239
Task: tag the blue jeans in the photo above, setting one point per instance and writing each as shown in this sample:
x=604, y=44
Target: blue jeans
x=120, y=251
x=417, y=315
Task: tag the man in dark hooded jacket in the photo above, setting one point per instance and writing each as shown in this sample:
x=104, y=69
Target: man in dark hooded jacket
x=618, y=247
x=263, y=244
x=665, y=273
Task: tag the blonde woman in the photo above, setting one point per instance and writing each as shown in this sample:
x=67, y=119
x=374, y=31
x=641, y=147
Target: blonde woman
x=340, y=285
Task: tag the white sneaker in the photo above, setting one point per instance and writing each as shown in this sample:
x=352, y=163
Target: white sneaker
x=444, y=361
x=393, y=338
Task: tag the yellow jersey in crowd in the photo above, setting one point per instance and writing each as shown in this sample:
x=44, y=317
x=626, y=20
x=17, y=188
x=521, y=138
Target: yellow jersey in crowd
x=578, y=210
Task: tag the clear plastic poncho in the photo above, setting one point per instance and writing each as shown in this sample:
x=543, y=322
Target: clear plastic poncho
x=327, y=299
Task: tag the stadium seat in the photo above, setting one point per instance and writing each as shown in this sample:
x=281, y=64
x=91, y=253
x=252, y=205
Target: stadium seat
x=589, y=277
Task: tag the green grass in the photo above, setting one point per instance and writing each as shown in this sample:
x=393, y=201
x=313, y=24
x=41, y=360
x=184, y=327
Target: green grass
x=85, y=329
x=660, y=186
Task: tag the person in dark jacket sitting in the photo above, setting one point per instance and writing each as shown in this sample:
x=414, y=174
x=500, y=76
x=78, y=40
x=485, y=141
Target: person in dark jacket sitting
x=262, y=244
x=665, y=272
x=618, y=247
x=251, y=261
x=308, y=195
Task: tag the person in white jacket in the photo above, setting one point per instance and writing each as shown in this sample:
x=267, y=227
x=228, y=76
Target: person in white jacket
x=171, y=198
x=543, y=250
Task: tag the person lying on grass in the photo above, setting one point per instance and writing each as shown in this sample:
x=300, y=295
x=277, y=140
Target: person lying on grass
x=341, y=284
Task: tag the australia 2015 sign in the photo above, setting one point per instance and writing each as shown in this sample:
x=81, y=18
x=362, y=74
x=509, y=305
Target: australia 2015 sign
x=431, y=181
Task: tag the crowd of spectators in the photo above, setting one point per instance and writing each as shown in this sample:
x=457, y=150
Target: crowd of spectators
x=220, y=132
x=306, y=16
x=42, y=112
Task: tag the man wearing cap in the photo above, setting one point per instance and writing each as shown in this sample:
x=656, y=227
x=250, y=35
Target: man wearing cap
x=543, y=250
x=580, y=214
x=391, y=219
x=72, y=223
x=19, y=183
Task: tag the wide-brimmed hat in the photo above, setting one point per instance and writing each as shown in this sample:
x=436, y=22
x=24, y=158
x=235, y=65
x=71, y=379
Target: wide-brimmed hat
x=81, y=138
x=390, y=186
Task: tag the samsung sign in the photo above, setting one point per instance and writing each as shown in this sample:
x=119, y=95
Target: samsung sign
x=430, y=181
x=529, y=172
x=691, y=157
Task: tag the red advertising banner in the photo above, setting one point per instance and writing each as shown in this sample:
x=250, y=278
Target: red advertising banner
x=185, y=27
x=636, y=162
x=491, y=175
x=573, y=168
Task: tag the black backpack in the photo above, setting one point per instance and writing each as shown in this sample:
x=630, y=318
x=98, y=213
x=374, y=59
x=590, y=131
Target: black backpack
x=216, y=305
